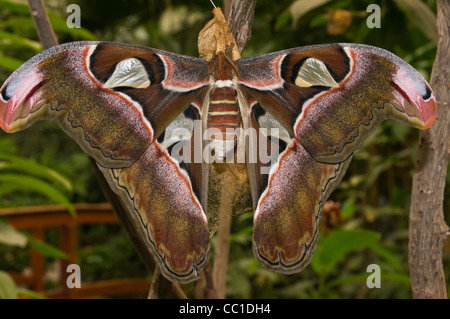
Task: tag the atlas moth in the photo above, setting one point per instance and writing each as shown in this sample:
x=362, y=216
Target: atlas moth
x=125, y=105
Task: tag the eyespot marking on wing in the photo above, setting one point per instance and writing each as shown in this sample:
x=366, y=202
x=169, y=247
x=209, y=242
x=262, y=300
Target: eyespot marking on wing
x=129, y=73
x=314, y=72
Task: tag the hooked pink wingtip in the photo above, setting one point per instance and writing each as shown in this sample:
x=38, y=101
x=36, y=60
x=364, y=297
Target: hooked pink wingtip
x=417, y=98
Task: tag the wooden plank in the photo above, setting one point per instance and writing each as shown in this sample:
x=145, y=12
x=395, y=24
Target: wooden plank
x=56, y=215
x=103, y=288
x=39, y=218
x=38, y=262
x=68, y=243
x=56, y=208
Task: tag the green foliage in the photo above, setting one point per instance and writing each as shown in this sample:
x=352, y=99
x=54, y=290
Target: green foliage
x=339, y=263
x=10, y=236
x=418, y=12
x=21, y=175
x=46, y=249
x=332, y=248
x=8, y=288
x=105, y=253
x=338, y=245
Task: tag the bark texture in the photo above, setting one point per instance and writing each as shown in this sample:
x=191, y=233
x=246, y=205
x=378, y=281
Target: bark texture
x=428, y=230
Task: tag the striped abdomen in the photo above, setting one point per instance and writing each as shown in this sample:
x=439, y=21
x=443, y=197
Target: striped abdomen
x=223, y=118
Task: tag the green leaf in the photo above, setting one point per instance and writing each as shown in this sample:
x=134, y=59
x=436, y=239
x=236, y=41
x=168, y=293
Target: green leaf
x=378, y=169
x=14, y=7
x=30, y=294
x=348, y=208
x=347, y=279
x=17, y=41
x=401, y=278
x=301, y=7
x=10, y=236
x=392, y=277
x=46, y=249
x=60, y=24
x=29, y=183
x=10, y=63
x=7, y=146
x=33, y=168
x=24, y=24
x=282, y=19
x=316, y=263
x=335, y=246
x=421, y=15
x=388, y=256
x=9, y=189
x=319, y=21
x=8, y=288
x=243, y=235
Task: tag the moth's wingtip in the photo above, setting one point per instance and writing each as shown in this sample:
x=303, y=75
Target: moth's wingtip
x=429, y=112
x=5, y=115
x=415, y=96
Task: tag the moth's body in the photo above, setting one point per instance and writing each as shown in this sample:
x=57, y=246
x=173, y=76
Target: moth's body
x=223, y=113
x=125, y=104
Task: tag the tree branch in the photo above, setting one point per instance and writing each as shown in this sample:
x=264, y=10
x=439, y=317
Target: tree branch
x=240, y=21
x=41, y=21
x=428, y=230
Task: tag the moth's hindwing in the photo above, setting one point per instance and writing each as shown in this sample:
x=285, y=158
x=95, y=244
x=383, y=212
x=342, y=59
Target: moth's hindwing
x=162, y=191
x=291, y=190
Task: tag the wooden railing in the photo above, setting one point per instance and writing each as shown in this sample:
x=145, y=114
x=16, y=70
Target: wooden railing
x=40, y=219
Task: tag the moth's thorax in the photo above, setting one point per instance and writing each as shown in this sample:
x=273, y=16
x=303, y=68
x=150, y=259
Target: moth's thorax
x=224, y=116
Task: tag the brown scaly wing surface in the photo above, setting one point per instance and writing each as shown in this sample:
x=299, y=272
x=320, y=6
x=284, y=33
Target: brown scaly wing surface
x=118, y=101
x=324, y=100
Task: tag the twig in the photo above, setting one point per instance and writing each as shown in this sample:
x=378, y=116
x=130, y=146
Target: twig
x=160, y=290
x=240, y=21
x=41, y=21
x=222, y=247
x=204, y=287
x=427, y=226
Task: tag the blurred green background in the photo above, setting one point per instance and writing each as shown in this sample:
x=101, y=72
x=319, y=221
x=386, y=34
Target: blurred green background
x=366, y=220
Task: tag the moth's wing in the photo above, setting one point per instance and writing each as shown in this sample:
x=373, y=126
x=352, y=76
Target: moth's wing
x=162, y=191
x=121, y=103
x=331, y=97
x=289, y=188
x=324, y=101
x=113, y=99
